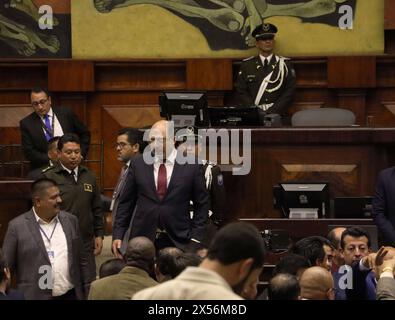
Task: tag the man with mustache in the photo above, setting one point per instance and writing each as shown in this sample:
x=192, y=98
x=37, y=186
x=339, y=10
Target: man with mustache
x=43, y=248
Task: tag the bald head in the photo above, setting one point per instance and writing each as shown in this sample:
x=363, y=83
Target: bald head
x=316, y=283
x=161, y=138
x=284, y=286
x=140, y=253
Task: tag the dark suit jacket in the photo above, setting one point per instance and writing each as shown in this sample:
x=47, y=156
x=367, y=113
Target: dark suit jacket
x=25, y=253
x=34, y=143
x=186, y=184
x=384, y=205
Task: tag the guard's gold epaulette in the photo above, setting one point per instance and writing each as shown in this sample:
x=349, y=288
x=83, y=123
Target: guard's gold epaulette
x=249, y=58
x=46, y=169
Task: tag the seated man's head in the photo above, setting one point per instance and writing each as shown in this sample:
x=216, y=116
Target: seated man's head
x=111, y=267
x=140, y=253
x=52, y=151
x=355, y=244
x=334, y=236
x=284, y=286
x=318, y=250
x=316, y=283
x=293, y=264
x=237, y=253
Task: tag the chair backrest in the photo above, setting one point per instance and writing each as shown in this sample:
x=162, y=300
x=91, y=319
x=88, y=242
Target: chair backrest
x=329, y=117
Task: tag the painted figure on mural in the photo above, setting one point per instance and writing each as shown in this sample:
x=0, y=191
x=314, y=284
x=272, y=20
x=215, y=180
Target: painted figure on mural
x=238, y=18
x=22, y=35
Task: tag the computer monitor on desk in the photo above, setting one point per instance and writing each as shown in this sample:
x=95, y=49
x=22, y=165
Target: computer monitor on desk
x=302, y=200
x=184, y=108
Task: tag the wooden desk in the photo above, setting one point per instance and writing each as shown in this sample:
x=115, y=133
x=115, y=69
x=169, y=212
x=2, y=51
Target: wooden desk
x=14, y=200
x=348, y=158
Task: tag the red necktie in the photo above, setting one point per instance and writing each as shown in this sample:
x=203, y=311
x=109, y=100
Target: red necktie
x=162, y=181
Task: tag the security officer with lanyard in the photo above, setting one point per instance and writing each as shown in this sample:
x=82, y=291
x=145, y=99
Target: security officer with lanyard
x=267, y=80
x=189, y=142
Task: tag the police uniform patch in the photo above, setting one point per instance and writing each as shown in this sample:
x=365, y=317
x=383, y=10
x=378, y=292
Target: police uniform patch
x=88, y=187
x=220, y=180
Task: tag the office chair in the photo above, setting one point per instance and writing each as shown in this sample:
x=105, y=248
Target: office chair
x=323, y=117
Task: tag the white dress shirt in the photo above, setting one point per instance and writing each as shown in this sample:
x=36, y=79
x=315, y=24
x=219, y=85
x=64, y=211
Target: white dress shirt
x=56, y=246
x=69, y=171
x=268, y=58
x=58, y=131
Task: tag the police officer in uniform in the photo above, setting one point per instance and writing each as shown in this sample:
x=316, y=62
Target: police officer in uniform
x=80, y=196
x=190, y=143
x=266, y=80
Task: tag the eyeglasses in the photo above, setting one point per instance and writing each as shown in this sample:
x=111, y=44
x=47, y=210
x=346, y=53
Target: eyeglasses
x=121, y=145
x=40, y=102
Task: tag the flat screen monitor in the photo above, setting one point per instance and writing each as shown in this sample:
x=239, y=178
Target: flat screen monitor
x=353, y=207
x=234, y=116
x=184, y=108
x=302, y=199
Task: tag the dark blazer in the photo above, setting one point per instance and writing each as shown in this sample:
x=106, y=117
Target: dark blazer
x=384, y=205
x=25, y=253
x=186, y=184
x=34, y=143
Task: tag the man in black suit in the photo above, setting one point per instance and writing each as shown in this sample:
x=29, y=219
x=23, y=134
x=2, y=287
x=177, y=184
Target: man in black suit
x=45, y=123
x=162, y=188
x=43, y=247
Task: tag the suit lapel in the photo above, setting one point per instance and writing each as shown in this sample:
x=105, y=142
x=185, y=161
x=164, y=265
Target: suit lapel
x=38, y=128
x=151, y=179
x=35, y=231
x=174, y=174
x=62, y=119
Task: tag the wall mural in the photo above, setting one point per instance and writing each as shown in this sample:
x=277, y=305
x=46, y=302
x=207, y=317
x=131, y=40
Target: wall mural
x=35, y=28
x=236, y=19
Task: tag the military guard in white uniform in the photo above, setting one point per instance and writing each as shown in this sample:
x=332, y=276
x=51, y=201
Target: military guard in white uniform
x=266, y=80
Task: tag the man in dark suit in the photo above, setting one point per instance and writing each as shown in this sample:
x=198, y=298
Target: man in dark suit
x=43, y=248
x=162, y=188
x=267, y=80
x=45, y=123
x=128, y=146
x=384, y=205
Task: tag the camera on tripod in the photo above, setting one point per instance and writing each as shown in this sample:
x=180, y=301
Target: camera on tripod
x=276, y=240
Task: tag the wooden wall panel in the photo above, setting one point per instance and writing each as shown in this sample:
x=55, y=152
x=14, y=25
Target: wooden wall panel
x=22, y=75
x=389, y=15
x=209, y=74
x=140, y=76
x=352, y=72
x=70, y=75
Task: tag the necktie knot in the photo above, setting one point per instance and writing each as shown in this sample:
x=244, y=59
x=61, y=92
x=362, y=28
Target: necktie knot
x=265, y=62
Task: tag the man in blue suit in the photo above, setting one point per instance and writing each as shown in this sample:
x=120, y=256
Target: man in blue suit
x=160, y=187
x=384, y=205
